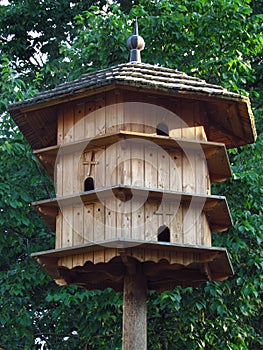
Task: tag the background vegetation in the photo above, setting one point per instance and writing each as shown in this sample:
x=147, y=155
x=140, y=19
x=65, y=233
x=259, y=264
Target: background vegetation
x=47, y=42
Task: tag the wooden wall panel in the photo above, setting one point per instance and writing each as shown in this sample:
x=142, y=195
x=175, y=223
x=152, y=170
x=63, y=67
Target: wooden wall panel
x=150, y=113
x=99, y=115
x=59, y=226
x=201, y=173
x=188, y=174
x=129, y=163
x=163, y=161
x=176, y=166
x=189, y=225
x=151, y=167
x=99, y=170
x=69, y=174
x=207, y=232
x=138, y=220
x=111, y=218
x=89, y=119
x=111, y=165
x=79, y=121
x=78, y=172
x=137, y=164
x=68, y=131
x=99, y=220
x=176, y=224
x=151, y=221
x=111, y=120
x=78, y=220
x=67, y=228
x=124, y=219
x=60, y=125
x=66, y=262
x=78, y=260
x=88, y=223
x=59, y=176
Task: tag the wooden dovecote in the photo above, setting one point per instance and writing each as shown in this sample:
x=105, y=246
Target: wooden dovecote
x=133, y=150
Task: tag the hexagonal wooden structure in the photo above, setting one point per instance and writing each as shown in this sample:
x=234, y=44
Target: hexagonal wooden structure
x=133, y=150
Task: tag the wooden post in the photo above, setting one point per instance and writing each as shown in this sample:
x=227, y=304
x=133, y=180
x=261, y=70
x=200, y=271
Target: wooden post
x=134, y=332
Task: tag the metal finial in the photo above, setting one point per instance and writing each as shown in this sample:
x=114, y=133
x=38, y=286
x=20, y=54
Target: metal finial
x=135, y=43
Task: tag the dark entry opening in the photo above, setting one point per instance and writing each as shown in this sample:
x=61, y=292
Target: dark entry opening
x=89, y=184
x=164, y=234
x=162, y=129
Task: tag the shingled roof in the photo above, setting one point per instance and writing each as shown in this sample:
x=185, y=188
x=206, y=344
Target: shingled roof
x=131, y=74
x=40, y=130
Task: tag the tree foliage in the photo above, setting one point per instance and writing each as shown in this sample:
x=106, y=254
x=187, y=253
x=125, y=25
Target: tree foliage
x=46, y=42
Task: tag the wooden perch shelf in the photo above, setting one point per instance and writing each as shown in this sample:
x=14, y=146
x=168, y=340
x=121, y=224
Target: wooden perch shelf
x=215, y=207
x=215, y=153
x=184, y=265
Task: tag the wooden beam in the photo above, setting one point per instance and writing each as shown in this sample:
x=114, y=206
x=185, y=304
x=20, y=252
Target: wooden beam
x=134, y=331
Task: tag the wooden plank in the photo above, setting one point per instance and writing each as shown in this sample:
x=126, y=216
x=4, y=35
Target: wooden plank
x=189, y=227
x=176, y=231
x=99, y=256
x=78, y=260
x=120, y=109
x=99, y=222
x=67, y=261
x=137, y=165
x=151, y=222
x=88, y=256
x=69, y=174
x=127, y=116
x=187, y=114
x=188, y=172
x=138, y=253
x=67, y=228
x=110, y=165
x=110, y=218
x=58, y=243
x=99, y=115
x=164, y=255
x=110, y=254
x=136, y=118
x=201, y=173
x=68, y=132
x=60, y=125
x=78, y=236
x=138, y=220
x=207, y=232
x=149, y=112
x=123, y=163
x=199, y=226
x=79, y=168
x=89, y=120
x=88, y=220
x=163, y=161
x=176, y=167
x=99, y=168
x=58, y=161
x=59, y=176
x=151, y=167
x=79, y=125
x=111, y=112
x=124, y=220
